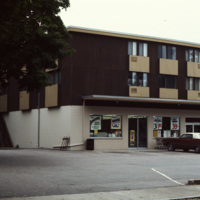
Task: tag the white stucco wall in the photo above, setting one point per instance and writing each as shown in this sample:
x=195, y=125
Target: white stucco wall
x=113, y=143
x=55, y=123
x=74, y=121
x=23, y=127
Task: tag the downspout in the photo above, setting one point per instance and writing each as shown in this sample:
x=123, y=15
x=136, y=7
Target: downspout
x=83, y=122
x=38, y=120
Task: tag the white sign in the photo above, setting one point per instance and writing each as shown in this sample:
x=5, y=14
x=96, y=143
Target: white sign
x=116, y=123
x=174, y=123
x=157, y=123
x=95, y=122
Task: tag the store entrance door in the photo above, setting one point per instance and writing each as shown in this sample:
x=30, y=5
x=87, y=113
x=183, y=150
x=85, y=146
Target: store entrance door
x=137, y=131
x=193, y=127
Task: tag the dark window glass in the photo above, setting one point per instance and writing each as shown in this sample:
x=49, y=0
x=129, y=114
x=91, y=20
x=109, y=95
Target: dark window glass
x=138, y=79
x=172, y=53
x=164, y=52
x=161, y=81
x=159, y=51
x=171, y=82
x=140, y=76
x=165, y=81
x=55, y=77
x=168, y=52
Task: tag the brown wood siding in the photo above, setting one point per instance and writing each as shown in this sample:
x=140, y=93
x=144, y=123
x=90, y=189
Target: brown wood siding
x=13, y=95
x=100, y=66
x=182, y=69
x=154, y=69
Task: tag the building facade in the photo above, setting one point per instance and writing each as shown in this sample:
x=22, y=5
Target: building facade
x=121, y=90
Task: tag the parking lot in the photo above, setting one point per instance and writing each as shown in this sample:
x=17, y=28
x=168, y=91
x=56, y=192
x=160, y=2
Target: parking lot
x=40, y=172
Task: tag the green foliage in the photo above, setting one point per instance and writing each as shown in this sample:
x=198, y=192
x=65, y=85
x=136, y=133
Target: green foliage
x=32, y=38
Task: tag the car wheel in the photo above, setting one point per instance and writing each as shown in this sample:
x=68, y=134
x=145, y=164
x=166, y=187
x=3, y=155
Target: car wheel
x=170, y=147
x=197, y=149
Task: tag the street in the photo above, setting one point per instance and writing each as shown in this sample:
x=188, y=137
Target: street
x=40, y=172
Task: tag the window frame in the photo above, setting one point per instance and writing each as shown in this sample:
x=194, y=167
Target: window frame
x=136, y=48
x=165, y=79
x=113, y=129
x=139, y=79
x=192, y=55
x=55, y=77
x=167, y=52
x=192, y=83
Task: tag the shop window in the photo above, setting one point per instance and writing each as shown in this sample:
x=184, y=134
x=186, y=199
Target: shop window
x=55, y=77
x=138, y=49
x=166, y=126
x=168, y=52
x=108, y=126
x=192, y=83
x=166, y=81
x=138, y=79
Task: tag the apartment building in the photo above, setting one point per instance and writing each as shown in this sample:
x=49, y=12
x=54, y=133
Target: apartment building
x=121, y=90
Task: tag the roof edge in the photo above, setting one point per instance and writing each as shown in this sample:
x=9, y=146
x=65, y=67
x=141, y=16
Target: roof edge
x=132, y=36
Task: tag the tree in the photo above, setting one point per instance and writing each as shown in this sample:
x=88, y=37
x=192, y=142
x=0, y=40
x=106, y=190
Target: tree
x=32, y=38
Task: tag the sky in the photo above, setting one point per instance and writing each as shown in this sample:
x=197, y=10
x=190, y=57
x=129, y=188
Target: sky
x=170, y=19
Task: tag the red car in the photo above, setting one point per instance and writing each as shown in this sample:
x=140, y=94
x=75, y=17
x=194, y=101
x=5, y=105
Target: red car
x=186, y=142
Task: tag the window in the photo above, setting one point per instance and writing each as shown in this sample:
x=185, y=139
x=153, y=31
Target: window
x=55, y=77
x=168, y=52
x=4, y=90
x=166, y=81
x=166, y=126
x=172, y=53
x=105, y=126
x=138, y=79
x=192, y=55
x=192, y=83
x=138, y=49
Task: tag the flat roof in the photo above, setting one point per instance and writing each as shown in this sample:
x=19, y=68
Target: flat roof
x=131, y=36
x=140, y=99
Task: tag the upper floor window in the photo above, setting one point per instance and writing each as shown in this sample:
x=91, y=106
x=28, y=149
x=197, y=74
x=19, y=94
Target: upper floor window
x=192, y=55
x=138, y=49
x=55, y=77
x=192, y=83
x=166, y=81
x=138, y=79
x=168, y=52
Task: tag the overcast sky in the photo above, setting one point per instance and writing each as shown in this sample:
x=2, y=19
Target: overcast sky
x=172, y=19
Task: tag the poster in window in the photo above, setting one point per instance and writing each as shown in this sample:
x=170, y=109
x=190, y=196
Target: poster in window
x=157, y=124
x=116, y=122
x=166, y=133
x=95, y=122
x=174, y=123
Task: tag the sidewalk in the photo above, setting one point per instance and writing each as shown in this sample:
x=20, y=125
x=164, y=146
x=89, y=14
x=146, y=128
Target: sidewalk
x=167, y=193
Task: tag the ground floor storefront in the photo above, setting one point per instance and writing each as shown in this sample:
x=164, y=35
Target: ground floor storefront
x=109, y=127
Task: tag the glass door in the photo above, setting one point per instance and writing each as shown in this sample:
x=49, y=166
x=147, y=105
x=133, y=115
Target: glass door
x=137, y=131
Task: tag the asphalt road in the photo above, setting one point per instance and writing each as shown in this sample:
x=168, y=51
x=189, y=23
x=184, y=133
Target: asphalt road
x=40, y=172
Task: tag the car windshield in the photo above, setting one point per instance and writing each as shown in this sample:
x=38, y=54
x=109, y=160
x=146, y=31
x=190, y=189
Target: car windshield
x=186, y=136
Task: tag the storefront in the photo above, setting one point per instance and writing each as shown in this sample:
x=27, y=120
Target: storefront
x=125, y=127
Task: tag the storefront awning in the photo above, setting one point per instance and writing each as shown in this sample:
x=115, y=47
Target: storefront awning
x=140, y=99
